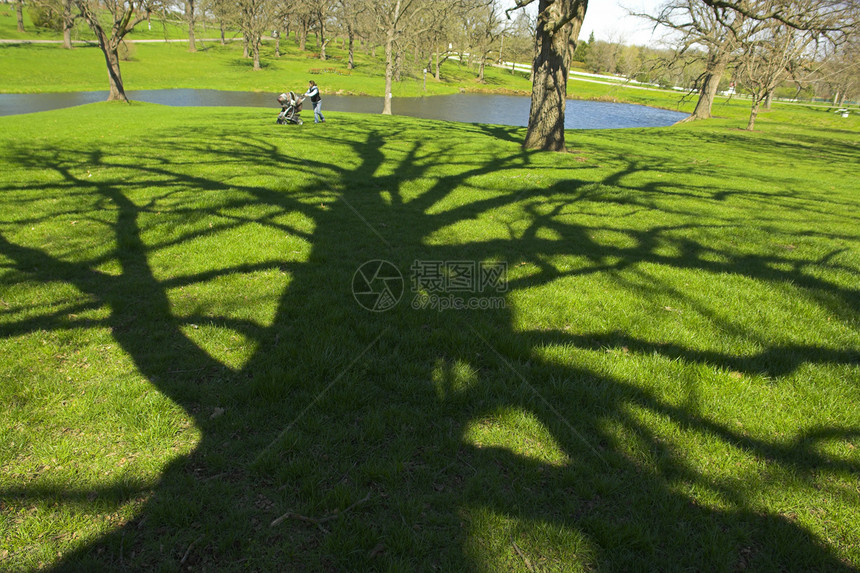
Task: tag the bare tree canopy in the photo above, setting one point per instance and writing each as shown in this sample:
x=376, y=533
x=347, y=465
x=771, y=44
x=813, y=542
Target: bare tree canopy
x=821, y=15
x=394, y=19
x=124, y=16
x=696, y=24
x=770, y=53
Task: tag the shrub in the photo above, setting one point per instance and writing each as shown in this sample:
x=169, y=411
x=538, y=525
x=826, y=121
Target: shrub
x=127, y=51
x=45, y=17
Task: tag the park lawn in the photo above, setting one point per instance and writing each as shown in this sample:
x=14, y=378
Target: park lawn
x=40, y=68
x=667, y=378
x=155, y=29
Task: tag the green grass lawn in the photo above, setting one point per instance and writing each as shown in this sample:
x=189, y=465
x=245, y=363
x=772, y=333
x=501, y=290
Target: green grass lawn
x=156, y=28
x=669, y=380
x=34, y=68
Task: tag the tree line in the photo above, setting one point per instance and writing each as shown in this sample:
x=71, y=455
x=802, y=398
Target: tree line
x=760, y=44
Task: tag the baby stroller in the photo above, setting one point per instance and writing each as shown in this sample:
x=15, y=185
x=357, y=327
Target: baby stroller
x=291, y=107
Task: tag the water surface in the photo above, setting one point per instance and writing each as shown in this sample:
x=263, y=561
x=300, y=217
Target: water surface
x=467, y=108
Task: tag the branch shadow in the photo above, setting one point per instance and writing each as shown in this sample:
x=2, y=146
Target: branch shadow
x=405, y=409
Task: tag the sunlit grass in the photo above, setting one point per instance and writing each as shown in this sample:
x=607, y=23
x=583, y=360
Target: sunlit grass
x=671, y=382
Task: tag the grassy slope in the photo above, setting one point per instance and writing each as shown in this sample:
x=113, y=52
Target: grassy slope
x=157, y=30
x=672, y=383
x=50, y=68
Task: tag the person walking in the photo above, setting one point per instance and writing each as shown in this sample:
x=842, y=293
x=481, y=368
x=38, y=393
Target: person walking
x=314, y=93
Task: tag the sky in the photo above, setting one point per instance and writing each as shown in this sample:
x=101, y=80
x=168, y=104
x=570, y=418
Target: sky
x=609, y=21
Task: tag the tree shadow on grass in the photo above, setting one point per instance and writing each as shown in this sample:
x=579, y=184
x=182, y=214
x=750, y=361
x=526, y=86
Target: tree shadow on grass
x=410, y=439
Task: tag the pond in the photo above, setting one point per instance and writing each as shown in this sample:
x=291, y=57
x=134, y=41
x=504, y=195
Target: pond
x=467, y=108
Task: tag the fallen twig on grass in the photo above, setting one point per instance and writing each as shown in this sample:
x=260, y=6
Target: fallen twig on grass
x=188, y=551
x=318, y=521
x=523, y=557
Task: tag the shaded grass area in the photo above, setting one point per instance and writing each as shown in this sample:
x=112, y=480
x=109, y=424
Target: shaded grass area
x=670, y=383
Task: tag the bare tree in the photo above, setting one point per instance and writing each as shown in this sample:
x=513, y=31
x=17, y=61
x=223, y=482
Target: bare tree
x=320, y=11
x=717, y=29
x=838, y=78
x=70, y=16
x=63, y=17
x=189, y=16
x=224, y=11
x=302, y=15
x=839, y=16
x=348, y=14
x=255, y=19
x=483, y=29
x=769, y=56
x=395, y=18
x=124, y=16
x=439, y=39
x=558, y=26
x=521, y=39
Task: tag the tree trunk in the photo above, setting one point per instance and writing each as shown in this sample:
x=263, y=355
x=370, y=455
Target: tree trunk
x=558, y=22
x=189, y=15
x=277, y=44
x=117, y=90
x=19, y=11
x=246, y=46
x=255, y=48
x=322, y=40
x=223, y=36
x=437, y=75
x=68, y=24
x=768, y=99
x=753, y=113
x=302, y=36
x=389, y=68
x=713, y=74
x=350, y=64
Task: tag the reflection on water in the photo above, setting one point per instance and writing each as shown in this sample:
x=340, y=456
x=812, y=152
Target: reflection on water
x=468, y=108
